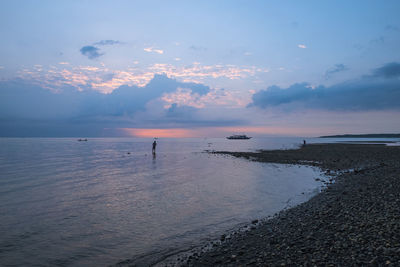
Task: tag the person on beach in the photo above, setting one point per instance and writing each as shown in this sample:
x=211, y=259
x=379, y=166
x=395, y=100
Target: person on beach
x=154, y=147
x=304, y=142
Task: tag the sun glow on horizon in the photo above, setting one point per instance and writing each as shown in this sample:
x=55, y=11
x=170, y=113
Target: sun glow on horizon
x=166, y=133
x=218, y=131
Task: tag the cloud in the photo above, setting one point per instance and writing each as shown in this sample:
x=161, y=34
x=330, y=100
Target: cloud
x=213, y=98
x=107, y=42
x=380, y=91
x=198, y=48
x=21, y=99
x=198, y=72
x=294, y=24
x=175, y=111
x=301, y=46
x=105, y=80
x=389, y=70
x=30, y=110
x=183, y=97
x=392, y=28
x=378, y=40
x=358, y=47
x=89, y=77
x=152, y=49
x=335, y=69
x=187, y=116
x=91, y=52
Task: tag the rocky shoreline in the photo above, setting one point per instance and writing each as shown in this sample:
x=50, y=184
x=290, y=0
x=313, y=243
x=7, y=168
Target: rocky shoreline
x=353, y=222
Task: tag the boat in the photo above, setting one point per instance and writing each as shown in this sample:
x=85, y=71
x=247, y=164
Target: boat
x=238, y=137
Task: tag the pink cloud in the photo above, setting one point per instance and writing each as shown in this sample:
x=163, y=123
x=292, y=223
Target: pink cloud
x=94, y=77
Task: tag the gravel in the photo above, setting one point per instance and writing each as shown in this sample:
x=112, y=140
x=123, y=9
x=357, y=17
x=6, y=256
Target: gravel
x=354, y=221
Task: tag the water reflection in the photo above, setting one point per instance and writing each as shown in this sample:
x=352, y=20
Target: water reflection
x=64, y=202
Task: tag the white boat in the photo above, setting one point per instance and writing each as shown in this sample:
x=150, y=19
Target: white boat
x=238, y=137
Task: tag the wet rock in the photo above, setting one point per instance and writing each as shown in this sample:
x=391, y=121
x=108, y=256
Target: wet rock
x=223, y=237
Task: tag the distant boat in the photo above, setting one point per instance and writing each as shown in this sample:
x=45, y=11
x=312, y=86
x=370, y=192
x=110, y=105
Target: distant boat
x=80, y=140
x=238, y=137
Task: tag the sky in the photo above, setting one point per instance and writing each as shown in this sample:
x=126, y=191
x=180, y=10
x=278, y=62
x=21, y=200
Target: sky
x=198, y=68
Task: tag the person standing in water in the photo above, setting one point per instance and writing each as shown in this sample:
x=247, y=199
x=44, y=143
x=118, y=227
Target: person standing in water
x=154, y=146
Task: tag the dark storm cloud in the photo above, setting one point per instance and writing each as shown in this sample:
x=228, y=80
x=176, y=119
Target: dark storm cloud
x=335, y=69
x=90, y=51
x=380, y=91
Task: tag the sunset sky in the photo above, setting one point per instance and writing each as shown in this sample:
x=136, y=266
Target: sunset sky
x=199, y=68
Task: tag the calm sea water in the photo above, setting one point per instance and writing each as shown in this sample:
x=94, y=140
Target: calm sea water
x=96, y=203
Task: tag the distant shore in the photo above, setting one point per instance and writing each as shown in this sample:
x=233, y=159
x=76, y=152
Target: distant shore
x=354, y=221
x=362, y=136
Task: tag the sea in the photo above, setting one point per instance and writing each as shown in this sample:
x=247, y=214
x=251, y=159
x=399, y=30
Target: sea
x=109, y=201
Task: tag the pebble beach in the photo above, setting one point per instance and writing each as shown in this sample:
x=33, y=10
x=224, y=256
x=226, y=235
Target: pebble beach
x=354, y=221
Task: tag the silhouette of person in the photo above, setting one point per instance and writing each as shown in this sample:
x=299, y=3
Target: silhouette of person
x=154, y=147
x=304, y=142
